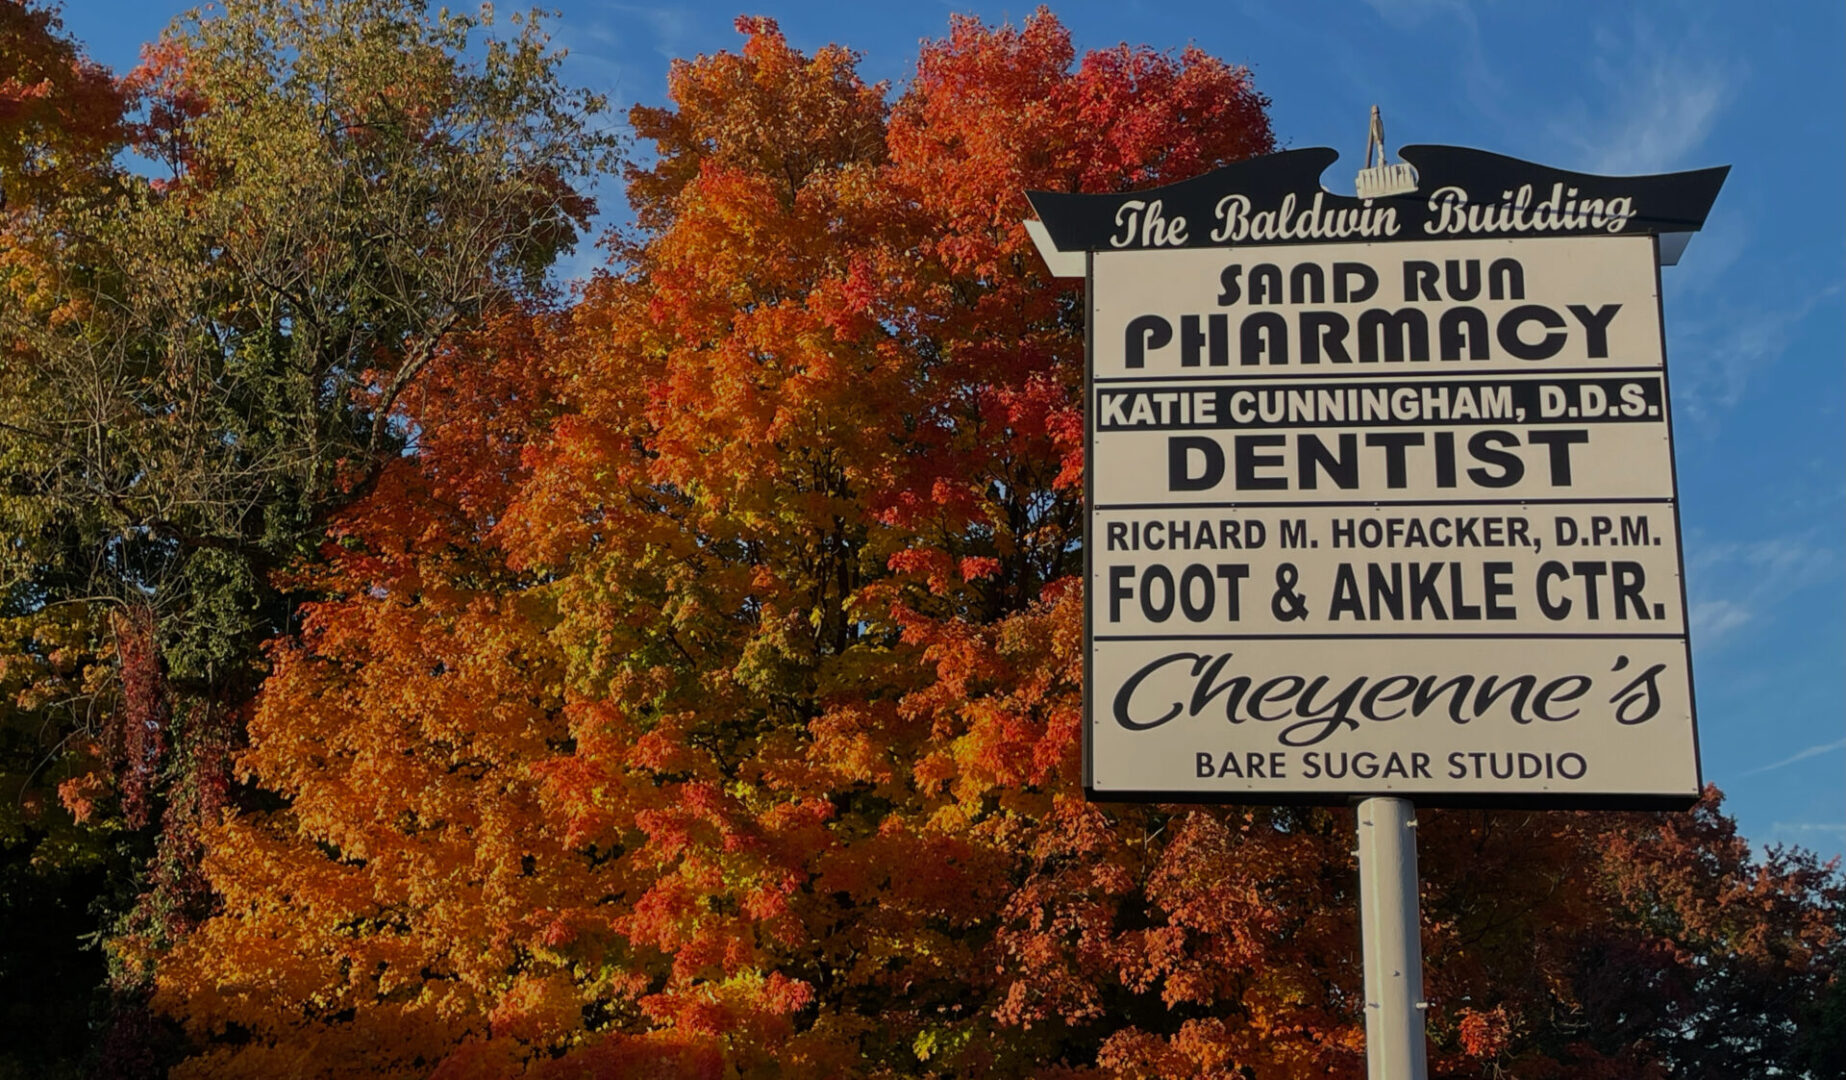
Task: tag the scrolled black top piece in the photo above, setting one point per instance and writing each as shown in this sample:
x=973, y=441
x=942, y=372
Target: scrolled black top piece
x=1459, y=193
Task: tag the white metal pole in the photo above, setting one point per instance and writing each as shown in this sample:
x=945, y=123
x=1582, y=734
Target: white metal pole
x=1391, y=932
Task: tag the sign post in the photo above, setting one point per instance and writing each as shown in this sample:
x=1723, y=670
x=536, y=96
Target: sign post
x=1381, y=503
x=1389, y=935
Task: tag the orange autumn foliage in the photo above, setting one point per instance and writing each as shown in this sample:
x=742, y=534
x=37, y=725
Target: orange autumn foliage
x=702, y=697
x=60, y=112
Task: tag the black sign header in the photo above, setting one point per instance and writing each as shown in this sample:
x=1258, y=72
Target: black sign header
x=1460, y=193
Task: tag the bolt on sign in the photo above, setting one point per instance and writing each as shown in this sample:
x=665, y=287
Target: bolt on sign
x=1381, y=496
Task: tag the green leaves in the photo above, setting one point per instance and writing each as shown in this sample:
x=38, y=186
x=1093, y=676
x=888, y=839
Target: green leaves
x=687, y=680
x=197, y=371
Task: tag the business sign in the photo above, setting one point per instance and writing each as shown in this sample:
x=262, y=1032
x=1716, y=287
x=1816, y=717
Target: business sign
x=1381, y=494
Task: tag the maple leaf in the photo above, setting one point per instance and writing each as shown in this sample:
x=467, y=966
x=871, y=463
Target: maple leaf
x=701, y=694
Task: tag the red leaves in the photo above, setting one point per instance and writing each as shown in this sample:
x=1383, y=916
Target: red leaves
x=1484, y=1034
x=138, y=737
x=703, y=695
x=1649, y=939
x=60, y=113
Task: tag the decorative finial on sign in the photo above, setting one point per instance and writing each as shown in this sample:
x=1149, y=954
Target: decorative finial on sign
x=1377, y=181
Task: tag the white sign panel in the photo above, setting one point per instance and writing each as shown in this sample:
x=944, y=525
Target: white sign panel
x=1385, y=518
x=1410, y=308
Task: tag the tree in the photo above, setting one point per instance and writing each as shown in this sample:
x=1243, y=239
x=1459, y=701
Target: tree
x=60, y=113
x=699, y=696
x=60, y=125
x=1631, y=945
x=198, y=369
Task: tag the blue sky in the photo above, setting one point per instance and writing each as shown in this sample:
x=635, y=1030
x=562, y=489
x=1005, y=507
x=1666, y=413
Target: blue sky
x=1756, y=310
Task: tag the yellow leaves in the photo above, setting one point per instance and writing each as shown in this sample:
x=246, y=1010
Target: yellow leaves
x=699, y=693
x=769, y=111
x=538, y=1010
x=854, y=743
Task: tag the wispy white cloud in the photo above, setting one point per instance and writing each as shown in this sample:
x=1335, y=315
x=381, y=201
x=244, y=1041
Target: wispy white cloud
x=1658, y=97
x=1716, y=619
x=1718, y=349
x=672, y=29
x=1811, y=826
x=1655, y=93
x=1735, y=584
x=1799, y=755
x=1407, y=12
x=1671, y=112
